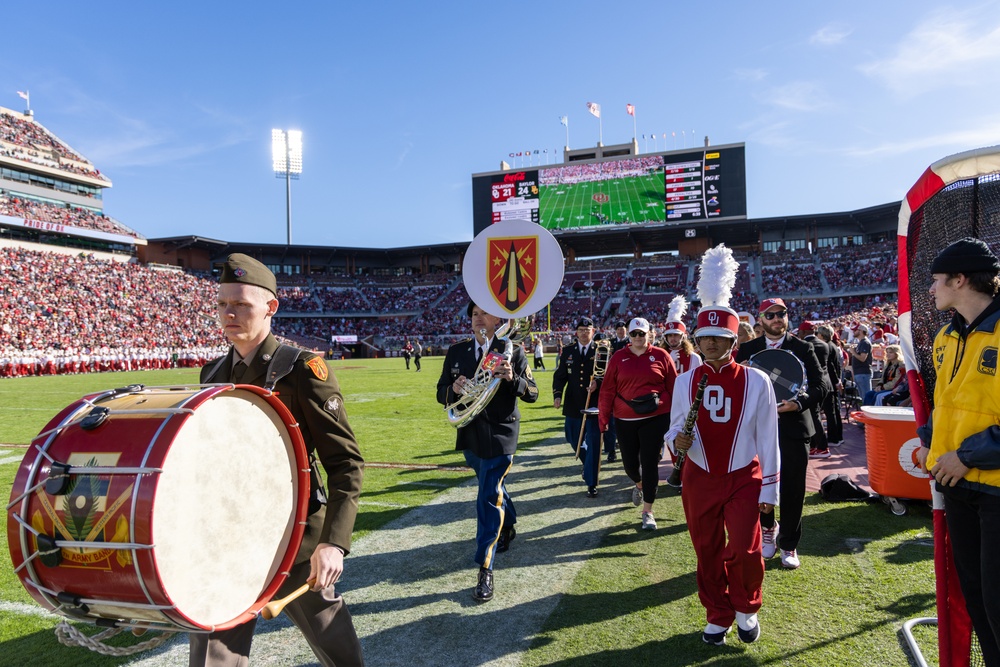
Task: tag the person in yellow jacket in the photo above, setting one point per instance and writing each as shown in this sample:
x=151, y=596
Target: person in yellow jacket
x=964, y=453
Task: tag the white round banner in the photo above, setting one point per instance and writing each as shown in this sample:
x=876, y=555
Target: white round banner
x=513, y=268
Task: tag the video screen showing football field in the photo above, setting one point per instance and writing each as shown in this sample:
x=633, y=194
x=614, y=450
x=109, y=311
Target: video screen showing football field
x=612, y=193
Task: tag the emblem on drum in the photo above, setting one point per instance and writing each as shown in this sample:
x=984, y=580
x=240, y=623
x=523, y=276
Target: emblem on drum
x=83, y=514
x=512, y=270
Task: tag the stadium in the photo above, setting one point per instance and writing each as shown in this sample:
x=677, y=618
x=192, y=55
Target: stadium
x=86, y=294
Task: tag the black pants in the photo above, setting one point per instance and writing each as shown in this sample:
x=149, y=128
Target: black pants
x=834, y=422
x=791, y=490
x=640, y=442
x=819, y=440
x=974, y=530
x=416, y=361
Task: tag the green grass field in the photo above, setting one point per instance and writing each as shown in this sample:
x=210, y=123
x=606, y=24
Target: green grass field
x=634, y=602
x=630, y=200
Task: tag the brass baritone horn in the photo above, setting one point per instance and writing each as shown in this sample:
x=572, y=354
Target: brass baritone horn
x=480, y=390
x=602, y=354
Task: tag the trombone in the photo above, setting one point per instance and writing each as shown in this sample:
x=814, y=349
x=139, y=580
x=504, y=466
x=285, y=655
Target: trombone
x=483, y=386
x=602, y=353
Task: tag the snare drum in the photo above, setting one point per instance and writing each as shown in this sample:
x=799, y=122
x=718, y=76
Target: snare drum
x=172, y=508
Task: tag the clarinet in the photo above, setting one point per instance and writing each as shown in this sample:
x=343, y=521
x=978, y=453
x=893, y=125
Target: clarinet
x=692, y=416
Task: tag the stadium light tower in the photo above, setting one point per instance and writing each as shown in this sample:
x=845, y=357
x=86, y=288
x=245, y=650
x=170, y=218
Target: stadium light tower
x=286, y=155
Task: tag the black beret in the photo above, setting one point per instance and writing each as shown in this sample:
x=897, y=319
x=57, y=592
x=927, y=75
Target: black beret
x=585, y=322
x=240, y=268
x=967, y=255
x=620, y=324
x=468, y=309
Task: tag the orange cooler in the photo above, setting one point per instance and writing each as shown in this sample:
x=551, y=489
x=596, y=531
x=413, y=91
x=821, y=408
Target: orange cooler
x=891, y=443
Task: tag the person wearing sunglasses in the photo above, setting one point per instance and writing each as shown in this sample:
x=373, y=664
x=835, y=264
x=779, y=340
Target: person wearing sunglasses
x=795, y=432
x=637, y=391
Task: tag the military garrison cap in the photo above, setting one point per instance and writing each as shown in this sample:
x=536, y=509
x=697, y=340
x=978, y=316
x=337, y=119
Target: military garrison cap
x=240, y=268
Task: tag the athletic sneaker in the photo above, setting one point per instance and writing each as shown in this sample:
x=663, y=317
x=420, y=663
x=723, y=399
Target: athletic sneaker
x=747, y=627
x=817, y=453
x=648, y=522
x=636, y=496
x=714, y=634
x=790, y=560
x=769, y=548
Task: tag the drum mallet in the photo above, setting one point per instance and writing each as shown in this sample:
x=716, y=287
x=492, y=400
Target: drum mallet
x=274, y=607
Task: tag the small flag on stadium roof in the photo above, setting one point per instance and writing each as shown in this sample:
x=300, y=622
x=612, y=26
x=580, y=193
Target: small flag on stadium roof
x=23, y=96
x=630, y=109
x=564, y=120
x=594, y=108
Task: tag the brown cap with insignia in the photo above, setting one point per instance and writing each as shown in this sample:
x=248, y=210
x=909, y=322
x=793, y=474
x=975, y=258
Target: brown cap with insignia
x=240, y=268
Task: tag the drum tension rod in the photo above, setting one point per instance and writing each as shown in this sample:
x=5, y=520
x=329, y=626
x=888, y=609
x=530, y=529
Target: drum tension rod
x=73, y=601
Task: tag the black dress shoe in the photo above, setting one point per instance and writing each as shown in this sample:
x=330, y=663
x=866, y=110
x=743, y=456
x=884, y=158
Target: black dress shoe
x=507, y=536
x=612, y=457
x=484, y=589
x=592, y=492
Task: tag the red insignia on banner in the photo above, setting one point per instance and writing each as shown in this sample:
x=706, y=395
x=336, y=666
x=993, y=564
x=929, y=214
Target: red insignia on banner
x=318, y=367
x=512, y=270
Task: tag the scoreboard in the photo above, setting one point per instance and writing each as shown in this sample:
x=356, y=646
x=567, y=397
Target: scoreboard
x=670, y=188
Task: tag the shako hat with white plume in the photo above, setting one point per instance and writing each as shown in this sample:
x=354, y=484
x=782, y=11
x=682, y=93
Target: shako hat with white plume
x=715, y=290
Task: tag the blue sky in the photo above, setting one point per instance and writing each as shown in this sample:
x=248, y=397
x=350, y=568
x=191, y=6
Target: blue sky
x=841, y=105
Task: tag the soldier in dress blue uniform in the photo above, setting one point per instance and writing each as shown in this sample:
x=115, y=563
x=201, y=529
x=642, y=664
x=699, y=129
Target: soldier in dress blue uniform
x=490, y=439
x=570, y=385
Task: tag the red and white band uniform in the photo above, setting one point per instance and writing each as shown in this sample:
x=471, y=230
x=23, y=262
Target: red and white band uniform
x=731, y=468
x=684, y=360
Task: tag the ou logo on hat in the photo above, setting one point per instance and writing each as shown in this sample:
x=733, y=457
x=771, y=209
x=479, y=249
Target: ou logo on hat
x=713, y=318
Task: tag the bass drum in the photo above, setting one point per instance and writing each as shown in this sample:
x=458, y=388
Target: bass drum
x=169, y=508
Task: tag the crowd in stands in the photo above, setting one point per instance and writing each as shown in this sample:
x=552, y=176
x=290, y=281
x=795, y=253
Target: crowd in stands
x=792, y=279
x=601, y=171
x=58, y=214
x=877, y=268
x=57, y=310
x=25, y=140
x=63, y=313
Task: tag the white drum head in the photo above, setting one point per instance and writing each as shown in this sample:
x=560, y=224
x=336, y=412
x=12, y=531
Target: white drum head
x=224, y=507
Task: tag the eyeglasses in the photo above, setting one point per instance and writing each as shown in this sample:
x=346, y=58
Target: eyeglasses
x=777, y=313
x=636, y=334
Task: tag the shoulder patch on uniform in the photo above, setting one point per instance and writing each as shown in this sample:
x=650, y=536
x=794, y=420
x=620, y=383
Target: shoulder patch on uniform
x=318, y=367
x=527, y=373
x=332, y=406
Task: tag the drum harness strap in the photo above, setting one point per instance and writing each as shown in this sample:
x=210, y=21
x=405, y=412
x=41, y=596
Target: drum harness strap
x=281, y=365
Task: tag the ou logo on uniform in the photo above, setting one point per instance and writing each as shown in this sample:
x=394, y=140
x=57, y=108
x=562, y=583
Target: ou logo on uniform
x=717, y=404
x=713, y=318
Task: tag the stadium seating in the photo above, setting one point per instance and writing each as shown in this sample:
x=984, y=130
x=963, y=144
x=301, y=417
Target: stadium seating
x=64, y=313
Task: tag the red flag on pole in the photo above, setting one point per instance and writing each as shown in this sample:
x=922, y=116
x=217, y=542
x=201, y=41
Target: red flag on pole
x=630, y=109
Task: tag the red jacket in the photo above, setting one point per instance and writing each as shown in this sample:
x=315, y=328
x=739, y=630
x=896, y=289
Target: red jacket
x=630, y=376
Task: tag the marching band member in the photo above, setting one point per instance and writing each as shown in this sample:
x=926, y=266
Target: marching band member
x=795, y=430
x=675, y=335
x=730, y=474
x=247, y=301
x=490, y=439
x=572, y=385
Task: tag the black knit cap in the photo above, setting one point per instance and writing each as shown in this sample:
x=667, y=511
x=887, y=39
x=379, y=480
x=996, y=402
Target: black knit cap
x=968, y=255
x=240, y=268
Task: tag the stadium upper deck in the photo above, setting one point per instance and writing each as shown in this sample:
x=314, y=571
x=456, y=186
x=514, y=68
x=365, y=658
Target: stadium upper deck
x=51, y=194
